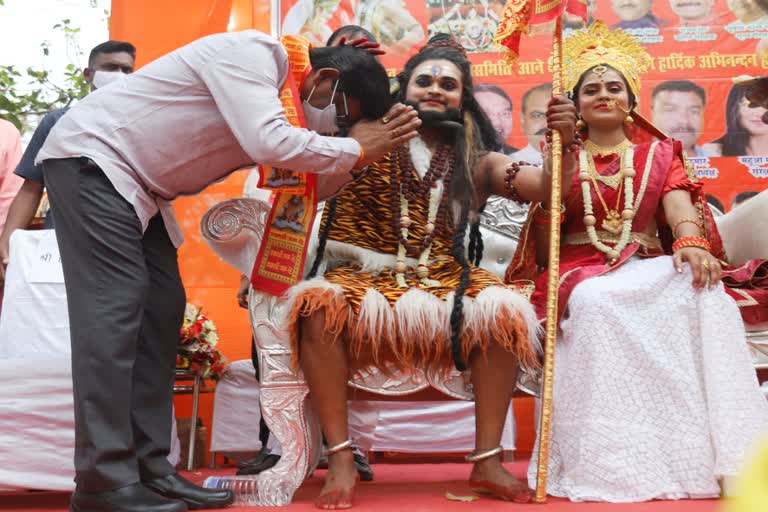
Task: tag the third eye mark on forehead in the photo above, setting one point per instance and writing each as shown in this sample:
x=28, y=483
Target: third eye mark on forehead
x=436, y=70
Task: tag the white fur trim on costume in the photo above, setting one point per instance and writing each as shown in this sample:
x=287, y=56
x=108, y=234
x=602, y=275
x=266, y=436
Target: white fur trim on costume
x=338, y=253
x=376, y=317
x=289, y=298
x=487, y=303
x=421, y=315
x=480, y=313
x=421, y=156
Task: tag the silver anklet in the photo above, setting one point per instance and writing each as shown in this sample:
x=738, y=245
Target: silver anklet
x=339, y=447
x=487, y=454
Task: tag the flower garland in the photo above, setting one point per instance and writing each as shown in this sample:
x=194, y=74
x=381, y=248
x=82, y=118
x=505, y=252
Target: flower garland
x=586, y=175
x=196, y=348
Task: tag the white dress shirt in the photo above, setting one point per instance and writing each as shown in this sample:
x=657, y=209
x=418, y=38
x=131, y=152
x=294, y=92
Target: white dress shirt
x=704, y=151
x=528, y=154
x=190, y=118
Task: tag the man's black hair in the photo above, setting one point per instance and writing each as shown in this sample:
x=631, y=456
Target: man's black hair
x=495, y=89
x=350, y=32
x=361, y=76
x=111, y=46
x=680, y=86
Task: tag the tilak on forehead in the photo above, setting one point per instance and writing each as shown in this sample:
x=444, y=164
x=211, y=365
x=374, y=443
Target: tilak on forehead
x=437, y=69
x=602, y=74
x=599, y=70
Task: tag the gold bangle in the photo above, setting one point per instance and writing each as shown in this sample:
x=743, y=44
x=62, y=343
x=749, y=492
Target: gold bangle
x=683, y=221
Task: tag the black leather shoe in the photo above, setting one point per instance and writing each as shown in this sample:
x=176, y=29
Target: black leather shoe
x=256, y=461
x=363, y=468
x=130, y=498
x=259, y=464
x=196, y=497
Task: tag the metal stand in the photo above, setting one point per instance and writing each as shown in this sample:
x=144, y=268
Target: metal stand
x=198, y=386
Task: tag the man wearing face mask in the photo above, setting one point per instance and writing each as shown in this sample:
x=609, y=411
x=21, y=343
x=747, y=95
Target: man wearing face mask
x=178, y=124
x=107, y=62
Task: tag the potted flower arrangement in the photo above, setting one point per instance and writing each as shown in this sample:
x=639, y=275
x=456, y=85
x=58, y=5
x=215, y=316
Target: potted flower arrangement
x=197, y=345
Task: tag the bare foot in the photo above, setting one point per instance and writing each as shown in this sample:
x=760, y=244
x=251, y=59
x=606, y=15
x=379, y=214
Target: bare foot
x=339, y=482
x=491, y=477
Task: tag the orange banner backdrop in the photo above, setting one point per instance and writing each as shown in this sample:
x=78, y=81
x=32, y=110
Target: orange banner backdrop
x=697, y=48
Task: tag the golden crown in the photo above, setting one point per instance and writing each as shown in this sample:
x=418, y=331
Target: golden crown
x=587, y=48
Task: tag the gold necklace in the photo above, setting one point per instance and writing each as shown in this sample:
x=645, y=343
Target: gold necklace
x=613, y=220
x=627, y=215
x=616, y=149
x=612, y=180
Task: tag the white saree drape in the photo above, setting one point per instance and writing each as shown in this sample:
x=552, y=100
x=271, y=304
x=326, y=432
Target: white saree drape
x=655, y=396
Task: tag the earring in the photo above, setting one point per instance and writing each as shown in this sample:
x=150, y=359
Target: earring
x=580, y=124
x=629, y=119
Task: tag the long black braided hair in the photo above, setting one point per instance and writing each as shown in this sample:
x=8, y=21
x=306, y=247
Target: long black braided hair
x=473, y=136
x=323, y=238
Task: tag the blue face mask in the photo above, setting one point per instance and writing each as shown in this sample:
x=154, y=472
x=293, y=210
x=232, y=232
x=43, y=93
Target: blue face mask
x=323, y=120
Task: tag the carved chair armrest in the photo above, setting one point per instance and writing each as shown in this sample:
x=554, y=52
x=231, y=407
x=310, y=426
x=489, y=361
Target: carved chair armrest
x=234, y=228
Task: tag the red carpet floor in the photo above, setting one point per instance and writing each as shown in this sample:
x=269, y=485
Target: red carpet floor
x=398, y=487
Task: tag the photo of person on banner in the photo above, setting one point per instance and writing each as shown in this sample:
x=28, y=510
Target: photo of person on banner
x=677, y=108
x=749, y=11
x=497, y=106
x=746, y=132
x=533, y=122
x=743, y=197
x=693, y=12
x=635, y=14
x=390, y=21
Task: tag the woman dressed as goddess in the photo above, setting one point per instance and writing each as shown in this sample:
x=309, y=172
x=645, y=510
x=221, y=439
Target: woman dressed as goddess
x=655, y=396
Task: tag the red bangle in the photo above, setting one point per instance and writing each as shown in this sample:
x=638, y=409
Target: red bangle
x=691, y=241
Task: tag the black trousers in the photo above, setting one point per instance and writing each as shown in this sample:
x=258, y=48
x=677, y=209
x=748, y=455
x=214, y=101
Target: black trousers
x=126, y=304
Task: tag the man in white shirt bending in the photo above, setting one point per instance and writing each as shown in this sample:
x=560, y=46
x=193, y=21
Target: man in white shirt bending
x=112, y=166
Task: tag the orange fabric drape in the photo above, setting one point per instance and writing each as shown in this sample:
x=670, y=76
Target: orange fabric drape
x=156, y=28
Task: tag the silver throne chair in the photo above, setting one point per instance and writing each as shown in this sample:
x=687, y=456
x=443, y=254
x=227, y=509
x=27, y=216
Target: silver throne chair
x=234, y=229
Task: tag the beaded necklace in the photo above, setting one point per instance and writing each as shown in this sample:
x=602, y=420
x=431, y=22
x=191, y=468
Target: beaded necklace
x=405, y=188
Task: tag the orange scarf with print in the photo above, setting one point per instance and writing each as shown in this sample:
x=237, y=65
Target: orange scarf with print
x=280, y=262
